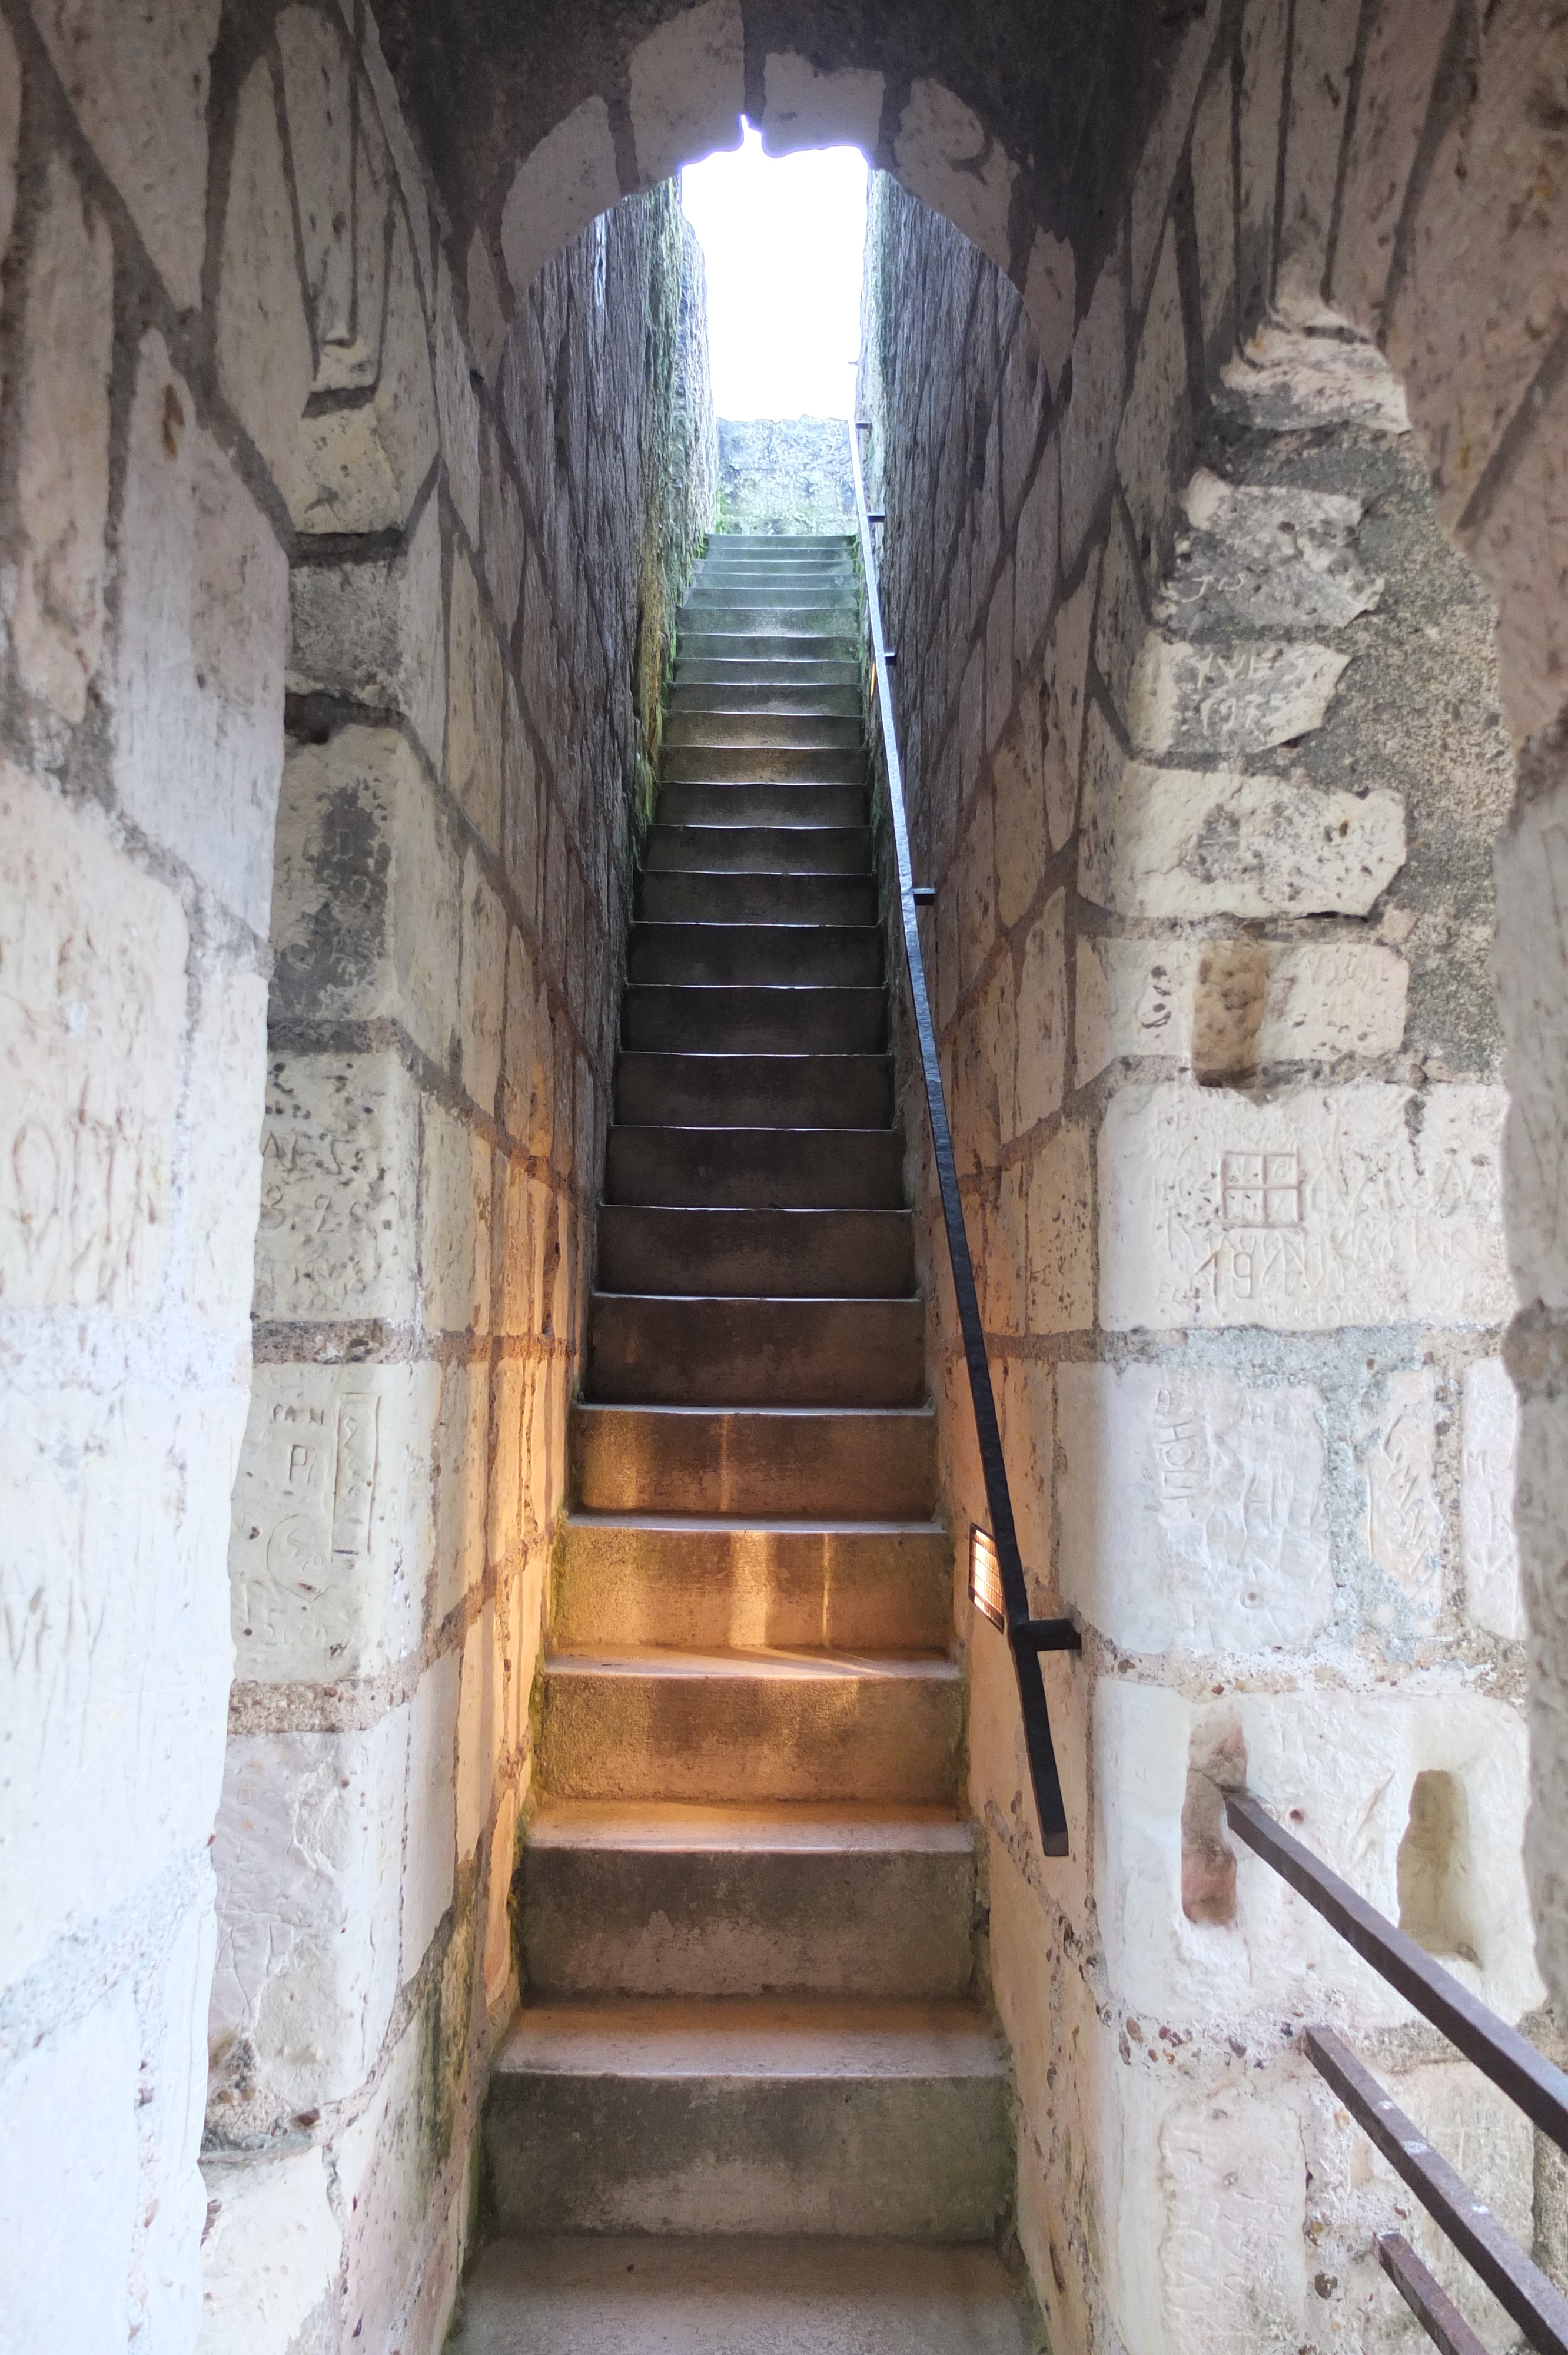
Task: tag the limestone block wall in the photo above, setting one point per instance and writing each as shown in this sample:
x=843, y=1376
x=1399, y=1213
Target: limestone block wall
x=332, y=616
x=1201, y=718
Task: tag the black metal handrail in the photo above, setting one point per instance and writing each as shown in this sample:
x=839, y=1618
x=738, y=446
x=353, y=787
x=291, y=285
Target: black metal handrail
x=1027, y=1636
x=1512, y=2063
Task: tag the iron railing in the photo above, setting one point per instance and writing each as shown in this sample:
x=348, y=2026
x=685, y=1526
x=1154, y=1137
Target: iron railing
x=1027, y=1637
x=1534, y=2303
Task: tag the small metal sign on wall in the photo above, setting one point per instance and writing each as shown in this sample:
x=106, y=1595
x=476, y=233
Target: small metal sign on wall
x=985, y=1576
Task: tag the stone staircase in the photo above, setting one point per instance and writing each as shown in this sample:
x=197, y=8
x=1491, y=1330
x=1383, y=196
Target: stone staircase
x=747, y=1895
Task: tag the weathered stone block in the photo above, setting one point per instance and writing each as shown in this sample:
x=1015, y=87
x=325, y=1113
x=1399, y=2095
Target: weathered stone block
x=478, y=1723
x=339, y=1188
x=204, y=624
x=270, y=2254
x=456, y=407
x=1260, y=131
x=1162, y=148
x=557, y=190
x=221, y=1182
x=137, y=79
x=455, y=1221
x=687, y=88
x=1214, y=209
x=1194, y=1511
x=483, y=984
x=1284, y=378
x=506, y=543
x=70, y=2198
x=462, y=1469
x=1061, y=1235
x=372, y=632
x=1186, y=842
x=1087, y=433
x=1155, y=409
x=1049, y=297
x=1531, y=971
x=1134, y=998
x=334, y=1531
x=1522, y=548
x=1398, y=70
x=1266, y=560
x=476, y=696
x=91, y=1020
x=1066, y=659
x=805, y=107
x=1041, y=1003
x=946, y=158
x=308, y=1856
x=430, y=1837
x=265, y=365
x=119, y=1640
x=1401, y=1522
x=1226, y=701
x=10, y=132
x=361, y=466
x=385, y=2167
x=1320, y=1000
x=1316, y=1210
x=496, y=1961
x=365, y=912
x=62, y=487
x=1038, y=547
x=1489, y=1439
x=1321, y=62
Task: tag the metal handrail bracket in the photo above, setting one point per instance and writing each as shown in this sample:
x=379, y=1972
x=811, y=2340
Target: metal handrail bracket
x=1022, y=1642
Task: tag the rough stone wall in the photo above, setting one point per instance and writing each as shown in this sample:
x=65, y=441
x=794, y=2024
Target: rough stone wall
x=1200, y=716
x=784, y=474
x=335, y=610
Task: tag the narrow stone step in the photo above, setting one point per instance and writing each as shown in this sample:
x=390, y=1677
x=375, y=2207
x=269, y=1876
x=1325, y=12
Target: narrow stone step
x=700, y=1584
x=746, y=896
x=769, y=674
x=762, y=802
x=642, y=1898
x=823, y=957
x=708, y=643
x=659, y=1350
x=757, y=606
x=747, y=1728
x=794, y=1460
x=796, y=729
x=756, y=1168
x=759, y=696
x=754, y=1090
x=759, y=849
x=698, y=765
x=767, y=1254
x=778, y=2115
x=770, y=1019
x=601, y=2295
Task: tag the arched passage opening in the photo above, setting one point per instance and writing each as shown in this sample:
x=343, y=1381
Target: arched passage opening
x=1367, y=209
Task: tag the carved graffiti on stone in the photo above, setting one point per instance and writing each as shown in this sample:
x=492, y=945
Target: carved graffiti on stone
x=1490, y=1444
x=1401, y=1522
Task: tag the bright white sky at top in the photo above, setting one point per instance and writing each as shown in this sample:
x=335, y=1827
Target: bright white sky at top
x=783, y=242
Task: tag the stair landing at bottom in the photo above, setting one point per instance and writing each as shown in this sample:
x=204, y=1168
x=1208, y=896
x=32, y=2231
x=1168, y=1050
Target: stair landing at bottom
x=637, y=2297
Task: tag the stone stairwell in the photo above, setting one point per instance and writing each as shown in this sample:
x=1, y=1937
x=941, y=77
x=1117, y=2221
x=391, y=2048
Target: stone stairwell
x=747, y=1895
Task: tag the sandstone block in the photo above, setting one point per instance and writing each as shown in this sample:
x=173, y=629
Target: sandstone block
x=483, y=984
x=1206, y=842
x=1266, y=560
x=361, y=466
x=1318, y=1001
x=1018, y=787
x=308, y=1851
x=1531, y=971
x=265, y=365
x=480, y=1705
x=1089, y=431
x=137, y=79
x=455, y=1220
x=428, y=1839
x=1025, y=1410
x=90, y=1021
x=204, y=625
x=1482, y=2134
x=1049, y=297
x=1042, y=1017
x=476, y=696
x=557, y=190
x=70, y=2198
x=318, y=93
x=487, y=316
x=1260, y=131
x=1120, y=627
x=62, y=486
x=497, y=1960
x=222, y=1183
x=1061, y=1235
x=456, y=407
x=462, y=1435
x=1038, y=547
x=372, y=634
x=1398, y=70
x=365, y=912
x=1321, y=62
x=383, y=2167
x=948, y=159
x=688, y=88
x=1401, y=1522
x=333, y=1531
x=1214, y=207
x=393, y=128
x=998, y=664
x=1285, y=379
x=1490, y=1547
x=339, y=1188
x=1226, y=701
x=1162, y=151
x=1193, y=1509
x=118, y=1645
x=164, y=2290
x=1134, y=998
x=505, y=545
x=1339, y=1768
x=1316, y=1210
x=1066, y=657
x=270, y=2254
x=10, y=132
x=806, y=107
x=1522, y=548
